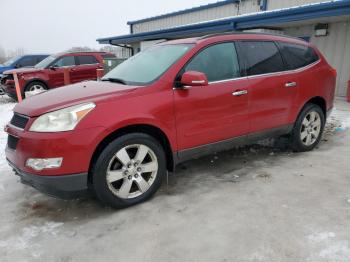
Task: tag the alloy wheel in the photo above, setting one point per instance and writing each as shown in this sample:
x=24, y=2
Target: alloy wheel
x=310, y=128
x=132, y=171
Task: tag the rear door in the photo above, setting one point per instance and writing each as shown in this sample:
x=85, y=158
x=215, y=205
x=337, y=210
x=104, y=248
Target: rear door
x=273, y=89
x=86, y=68
x=212, y=113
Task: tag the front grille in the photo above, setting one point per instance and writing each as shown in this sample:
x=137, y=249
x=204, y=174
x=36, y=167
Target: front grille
x=12, y=142
x=19, y=121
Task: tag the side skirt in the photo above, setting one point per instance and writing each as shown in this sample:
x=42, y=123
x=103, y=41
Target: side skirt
x=227, y=144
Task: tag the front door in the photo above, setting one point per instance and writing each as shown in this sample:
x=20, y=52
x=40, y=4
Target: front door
x=218, y=111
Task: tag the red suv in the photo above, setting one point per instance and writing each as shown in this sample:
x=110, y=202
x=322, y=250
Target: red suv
x=177, y=100
x=49, y=73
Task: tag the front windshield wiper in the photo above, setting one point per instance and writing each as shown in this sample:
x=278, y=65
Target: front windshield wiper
x=115, y=80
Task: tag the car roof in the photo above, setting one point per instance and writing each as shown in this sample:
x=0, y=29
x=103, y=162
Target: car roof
x=238, y=36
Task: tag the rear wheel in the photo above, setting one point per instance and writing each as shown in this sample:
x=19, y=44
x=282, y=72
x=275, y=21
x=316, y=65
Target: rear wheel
x=308, y=128
x=129, y=170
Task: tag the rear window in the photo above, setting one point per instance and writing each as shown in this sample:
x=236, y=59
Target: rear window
x=260, y=57
x=87, y=60
x=297, y=56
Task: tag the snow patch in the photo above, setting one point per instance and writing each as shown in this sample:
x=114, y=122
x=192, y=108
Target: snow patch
x=24, y=241
x=319, y=237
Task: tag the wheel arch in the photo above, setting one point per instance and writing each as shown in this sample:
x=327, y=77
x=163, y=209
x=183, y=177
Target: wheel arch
x=151, y=130
x=317, y=100
x=35, y=80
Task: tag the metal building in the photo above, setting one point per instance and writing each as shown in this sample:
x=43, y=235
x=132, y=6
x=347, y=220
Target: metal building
x=324, y=23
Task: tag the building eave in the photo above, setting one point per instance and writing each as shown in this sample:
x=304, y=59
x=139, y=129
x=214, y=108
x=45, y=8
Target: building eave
x=260, y=19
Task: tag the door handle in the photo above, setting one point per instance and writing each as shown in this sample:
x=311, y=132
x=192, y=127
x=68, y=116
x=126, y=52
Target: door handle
x=240, y=93
x=290, y=84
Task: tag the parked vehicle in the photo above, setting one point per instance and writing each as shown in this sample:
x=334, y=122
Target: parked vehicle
x=49, y=73
x=177, y=100
x=18, y=62
x=22, y=61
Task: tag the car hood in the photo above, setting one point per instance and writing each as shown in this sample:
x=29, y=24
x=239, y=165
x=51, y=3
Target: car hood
x=91, y=91
x=22, y=70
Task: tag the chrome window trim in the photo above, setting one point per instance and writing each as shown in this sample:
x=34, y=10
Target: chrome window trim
x=269, y=74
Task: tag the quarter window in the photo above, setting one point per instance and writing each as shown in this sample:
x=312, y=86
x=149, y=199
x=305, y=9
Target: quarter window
x=260, y=57
x=297, y=56
x=217, y=62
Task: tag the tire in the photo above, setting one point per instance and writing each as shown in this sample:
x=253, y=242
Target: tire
x=33, y=86
x=308, y=128
x=126, y=185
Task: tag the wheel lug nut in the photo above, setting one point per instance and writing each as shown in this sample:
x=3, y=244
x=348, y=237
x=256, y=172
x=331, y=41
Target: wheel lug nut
x=136, y=175
x=139, y=169
x=129, y=165
x=129, y=177
x=126, y=172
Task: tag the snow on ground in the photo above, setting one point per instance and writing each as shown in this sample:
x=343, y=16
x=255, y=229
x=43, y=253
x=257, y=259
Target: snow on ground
x=257, y=203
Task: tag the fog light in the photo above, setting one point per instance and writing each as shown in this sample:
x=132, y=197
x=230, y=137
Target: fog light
x=43, y=163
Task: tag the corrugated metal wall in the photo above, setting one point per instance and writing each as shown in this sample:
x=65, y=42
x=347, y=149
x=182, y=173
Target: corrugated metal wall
x=247, y=6
x=335, y=47
x=278, y=4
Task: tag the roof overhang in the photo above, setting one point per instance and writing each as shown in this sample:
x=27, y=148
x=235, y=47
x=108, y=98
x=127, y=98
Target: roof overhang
x=311, y=12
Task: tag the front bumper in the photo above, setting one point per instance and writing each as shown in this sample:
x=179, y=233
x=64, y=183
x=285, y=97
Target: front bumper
x=64, y=187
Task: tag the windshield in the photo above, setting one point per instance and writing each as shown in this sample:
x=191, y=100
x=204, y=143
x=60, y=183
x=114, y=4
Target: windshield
x=11, y=61
x=44, y=63
x=148, y=65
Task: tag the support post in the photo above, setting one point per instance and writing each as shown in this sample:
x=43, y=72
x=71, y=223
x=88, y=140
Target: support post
x=18, y=87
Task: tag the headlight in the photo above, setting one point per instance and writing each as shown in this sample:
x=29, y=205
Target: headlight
x=61, y=120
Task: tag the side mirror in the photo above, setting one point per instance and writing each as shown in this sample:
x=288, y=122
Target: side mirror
x=194, y=78
x=17, y=66
x=53, y=67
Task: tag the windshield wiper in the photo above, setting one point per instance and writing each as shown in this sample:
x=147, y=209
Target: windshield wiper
x=114, y=80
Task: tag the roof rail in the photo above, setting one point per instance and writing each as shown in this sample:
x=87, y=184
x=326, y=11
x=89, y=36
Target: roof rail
x=246, y=33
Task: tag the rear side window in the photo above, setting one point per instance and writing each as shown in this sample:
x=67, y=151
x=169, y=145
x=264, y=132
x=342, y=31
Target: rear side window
x=87, y=60
x=260, y=57
x=217, y=62
x=27, y=61
x=297, y=56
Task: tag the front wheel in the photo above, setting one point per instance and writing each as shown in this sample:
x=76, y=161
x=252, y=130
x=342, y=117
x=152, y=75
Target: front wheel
x=35, y=88
x=129, y=170
x=308, y=128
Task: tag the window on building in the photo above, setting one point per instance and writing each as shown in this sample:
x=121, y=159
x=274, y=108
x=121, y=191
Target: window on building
x=260, y=57
x=297, y=56
x=217, y=62
x=65, y=61
x=87, y=60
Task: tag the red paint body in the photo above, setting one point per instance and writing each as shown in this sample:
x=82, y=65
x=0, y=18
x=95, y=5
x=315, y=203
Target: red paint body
x=188, y=117
x=56, y=78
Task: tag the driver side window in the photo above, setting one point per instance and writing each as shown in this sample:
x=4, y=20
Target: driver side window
x=65, y=61
x=217, y=62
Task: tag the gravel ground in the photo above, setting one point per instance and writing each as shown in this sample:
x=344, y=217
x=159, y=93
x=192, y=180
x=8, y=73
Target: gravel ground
x=258, y=203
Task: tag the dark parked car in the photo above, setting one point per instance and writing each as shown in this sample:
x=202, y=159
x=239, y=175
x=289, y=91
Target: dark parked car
x=172, y=102
x=22, y=61
x=49, y=72
x=18, y=62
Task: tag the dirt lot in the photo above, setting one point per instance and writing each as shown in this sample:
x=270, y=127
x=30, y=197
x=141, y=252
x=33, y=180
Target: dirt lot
x=258, y=203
